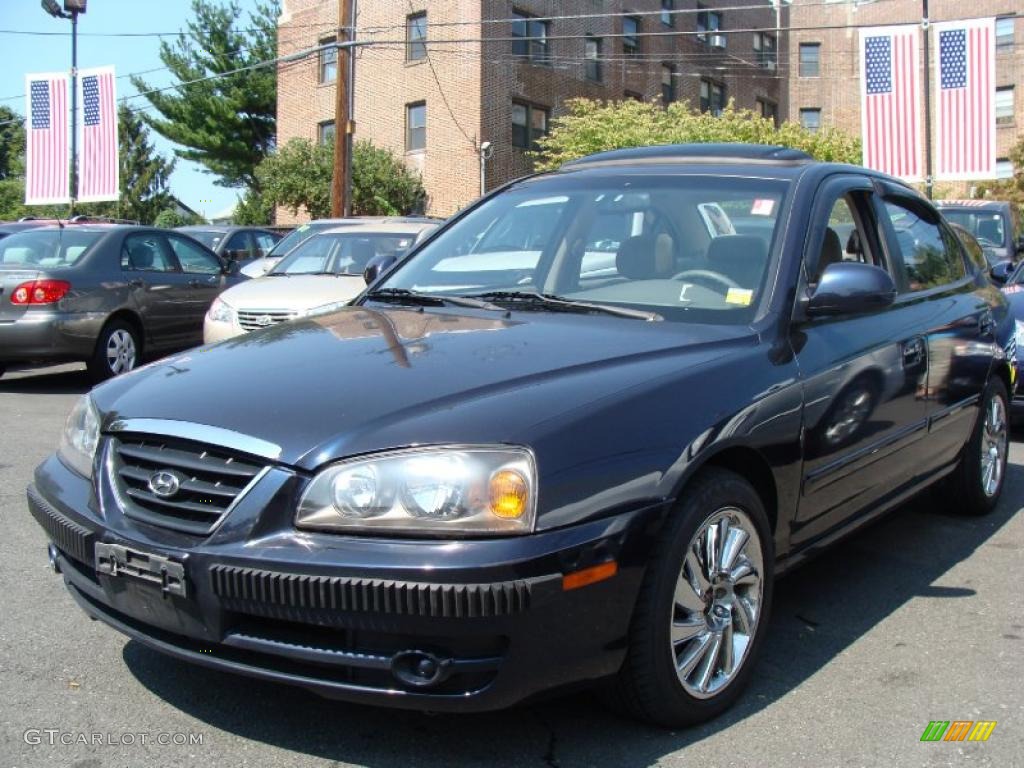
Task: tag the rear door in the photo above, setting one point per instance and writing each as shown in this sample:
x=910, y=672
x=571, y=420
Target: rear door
x=933, y=274
x=864, y=375
x=205, y=277
x=157, y=287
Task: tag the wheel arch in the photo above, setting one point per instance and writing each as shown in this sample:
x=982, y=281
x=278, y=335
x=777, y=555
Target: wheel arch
x=130, y=317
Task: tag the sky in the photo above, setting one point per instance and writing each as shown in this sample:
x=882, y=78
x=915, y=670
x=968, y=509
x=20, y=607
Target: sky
x=25, y=54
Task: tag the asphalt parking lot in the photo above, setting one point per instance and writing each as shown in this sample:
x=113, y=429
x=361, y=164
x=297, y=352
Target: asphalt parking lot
x=918, y=618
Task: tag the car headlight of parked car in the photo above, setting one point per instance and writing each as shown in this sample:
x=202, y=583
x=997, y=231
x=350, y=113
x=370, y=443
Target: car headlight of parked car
x=221, y=311
x=81, y=436
x=477, y=490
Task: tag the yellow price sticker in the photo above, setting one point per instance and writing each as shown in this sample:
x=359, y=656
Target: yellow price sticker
x=739, y=296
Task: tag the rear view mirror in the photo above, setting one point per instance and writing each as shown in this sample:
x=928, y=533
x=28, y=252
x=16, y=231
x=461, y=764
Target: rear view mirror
x=851, y=287
x=377, y=266
x=1001, y=272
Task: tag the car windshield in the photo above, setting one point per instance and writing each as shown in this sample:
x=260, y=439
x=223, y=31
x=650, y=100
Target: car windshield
x=987, y=226
x=341, y=253
x=296, y=236
x=207, y=237
x=46, y=248
x=686, y=247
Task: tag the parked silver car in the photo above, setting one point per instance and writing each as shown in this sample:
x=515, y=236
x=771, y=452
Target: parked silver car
x=103, y=294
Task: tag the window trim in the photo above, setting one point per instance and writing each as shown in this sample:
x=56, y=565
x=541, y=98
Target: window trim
x=410, y=44
x=712, y=85
x=705, y=14
x=1011, y=119
x=670, y=19
x=320, y=127
x=672, y=90
x=594, y=62
x=808, y=110
x=530, y=107
x=809, y=45
x=1009, y=41
x=537, y=49
x=633, y=48
x=408, y=128
x=323, y=62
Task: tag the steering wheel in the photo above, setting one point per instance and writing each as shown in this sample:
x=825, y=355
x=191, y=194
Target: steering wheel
x=984, y=242
x=707, y=274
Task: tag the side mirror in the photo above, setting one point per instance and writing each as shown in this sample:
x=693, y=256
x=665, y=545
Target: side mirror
x=1001, y=272
x=376, y=266
x=849, y=288
x=230, y=267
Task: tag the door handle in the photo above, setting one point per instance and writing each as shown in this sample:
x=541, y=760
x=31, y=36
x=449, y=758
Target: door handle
x=913, y=352
x=194, y=284
x=136, y=283
x=986, y=324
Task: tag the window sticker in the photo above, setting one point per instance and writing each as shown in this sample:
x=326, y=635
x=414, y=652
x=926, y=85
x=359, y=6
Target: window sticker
x=682, y=293
x=739, y=296
x=762, y=207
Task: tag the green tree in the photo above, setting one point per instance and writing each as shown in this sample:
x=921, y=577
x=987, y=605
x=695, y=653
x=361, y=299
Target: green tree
x=226, y=122
x=594, y=126
x=145, y=175
x=170, y=218
x=12, y=144
x=1009, y=189
x=254, y=209
x=299, y=174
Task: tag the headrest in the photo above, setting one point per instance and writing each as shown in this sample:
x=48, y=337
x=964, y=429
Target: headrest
x=362, y=252
x=853, y=246
x=831, y=250
x=642, y=257
x=142, y=255
x=740, y=257
x=990, y=230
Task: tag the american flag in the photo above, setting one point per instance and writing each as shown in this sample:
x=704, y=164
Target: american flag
x=890, y=98
x=46, y=139
x=965, y=119
x=98, y=156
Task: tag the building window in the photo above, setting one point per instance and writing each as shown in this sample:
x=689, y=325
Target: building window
x=712, y=97
x=1004, y=35
x=668, y=83
x=811, y=119
x=529, y=123
x=769, y=110
x=631, y=36
x=765, y=50
x=416, y=36
x=1004, y=168
x=415, y=126
x=708, y=22
x=1004, y=105
x=667, y=17
x=592, y=58
x=328, y=61
x=810, y=59
x=325, y=132
x=530, y=38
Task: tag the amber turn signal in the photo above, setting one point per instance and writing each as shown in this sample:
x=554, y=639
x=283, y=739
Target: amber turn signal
x=588, y=576
x=509, y=494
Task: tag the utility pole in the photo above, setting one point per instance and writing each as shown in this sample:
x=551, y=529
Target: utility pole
x=927, y=102
x=342, y=112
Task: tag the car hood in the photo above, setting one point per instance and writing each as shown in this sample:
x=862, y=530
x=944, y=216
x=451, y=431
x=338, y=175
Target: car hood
x=298, y=292
x=362, y=379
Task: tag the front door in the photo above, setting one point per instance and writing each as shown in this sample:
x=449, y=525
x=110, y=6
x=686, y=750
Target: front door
x=157, y=287
x=864, y=376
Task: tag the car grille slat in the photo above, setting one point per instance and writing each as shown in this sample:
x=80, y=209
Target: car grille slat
x=208, y=481
x=254, y=319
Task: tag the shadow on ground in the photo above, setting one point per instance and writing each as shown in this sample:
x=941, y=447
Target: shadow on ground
x=52, y=381
x=820, y=610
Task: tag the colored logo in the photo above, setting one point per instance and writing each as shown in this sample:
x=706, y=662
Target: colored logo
x=164, y=484
x=958, y=730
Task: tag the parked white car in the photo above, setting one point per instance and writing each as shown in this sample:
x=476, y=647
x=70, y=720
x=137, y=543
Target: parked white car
x=321, y=274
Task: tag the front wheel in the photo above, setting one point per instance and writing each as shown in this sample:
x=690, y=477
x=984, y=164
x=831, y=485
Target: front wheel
x=117, y=351
x=703, y=607
x=976, y=484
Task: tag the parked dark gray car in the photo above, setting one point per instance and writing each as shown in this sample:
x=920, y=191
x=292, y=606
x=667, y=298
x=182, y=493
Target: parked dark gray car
x=103, y=294
x=996, y=224
x=233, y=243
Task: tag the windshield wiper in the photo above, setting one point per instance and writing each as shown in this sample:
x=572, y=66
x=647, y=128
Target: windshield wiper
x=405, y=296
x=561, y=304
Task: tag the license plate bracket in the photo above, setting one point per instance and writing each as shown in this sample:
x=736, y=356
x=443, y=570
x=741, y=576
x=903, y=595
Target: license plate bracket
x=166, y=573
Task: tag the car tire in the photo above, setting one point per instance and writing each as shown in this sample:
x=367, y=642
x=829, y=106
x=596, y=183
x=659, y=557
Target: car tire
x=976, y=484
x=676, y=670
x=3, y=370
x=117, y=351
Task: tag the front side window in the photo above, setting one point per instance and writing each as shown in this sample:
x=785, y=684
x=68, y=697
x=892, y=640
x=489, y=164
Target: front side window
x=328, y=61
x=810, y=119
x=192, y=258
x=592, y=58
x=529, y=123
x=928, y=254
x=416, y=36
x=46, y=248
x=631, y=36
x=530, y=37
x=810, y=59
x=690, y=248
x=345, y=253
x=415, y=127
x=146, y=253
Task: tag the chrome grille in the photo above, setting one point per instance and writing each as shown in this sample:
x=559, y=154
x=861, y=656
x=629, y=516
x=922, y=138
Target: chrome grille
x=254, y=319
x=206, y=481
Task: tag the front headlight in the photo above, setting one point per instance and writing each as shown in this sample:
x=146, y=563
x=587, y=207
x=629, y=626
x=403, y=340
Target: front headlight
x=81, y=436
x=431, y=491
x=221, y=311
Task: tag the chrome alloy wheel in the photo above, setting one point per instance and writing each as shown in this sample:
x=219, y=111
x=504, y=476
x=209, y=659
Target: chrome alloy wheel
x=120, y=351
x=993, y=447
x=717, y=602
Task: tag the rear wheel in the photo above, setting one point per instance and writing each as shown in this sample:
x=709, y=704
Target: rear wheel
x=117, y=351
x=976, y=484
x=703, y=607
x=3, y=370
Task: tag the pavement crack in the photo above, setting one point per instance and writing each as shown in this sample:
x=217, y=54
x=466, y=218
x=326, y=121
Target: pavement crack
x=550, y=755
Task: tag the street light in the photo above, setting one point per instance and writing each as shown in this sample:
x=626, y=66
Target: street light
x=71, y=10
x=486, y=151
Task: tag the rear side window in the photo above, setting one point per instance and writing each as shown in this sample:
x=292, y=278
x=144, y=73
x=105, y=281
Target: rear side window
x=927, y=253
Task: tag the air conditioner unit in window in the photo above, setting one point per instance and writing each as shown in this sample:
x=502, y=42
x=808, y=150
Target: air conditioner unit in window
x=716, y=41
x=769, y=64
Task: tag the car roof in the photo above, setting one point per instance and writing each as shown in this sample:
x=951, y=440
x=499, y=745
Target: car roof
x=982, y=204
x=380, y=228
x=379, y=220
x=703, y=154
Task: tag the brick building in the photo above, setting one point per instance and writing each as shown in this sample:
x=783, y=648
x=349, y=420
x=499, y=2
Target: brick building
x=498, y=71
x=823, y=73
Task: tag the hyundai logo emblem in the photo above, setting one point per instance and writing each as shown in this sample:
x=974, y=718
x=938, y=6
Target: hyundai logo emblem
x=164, y=483
x=264, y=320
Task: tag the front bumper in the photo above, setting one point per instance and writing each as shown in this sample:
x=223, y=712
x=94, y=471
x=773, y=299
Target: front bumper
x=354, y=617
x=45, y=336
